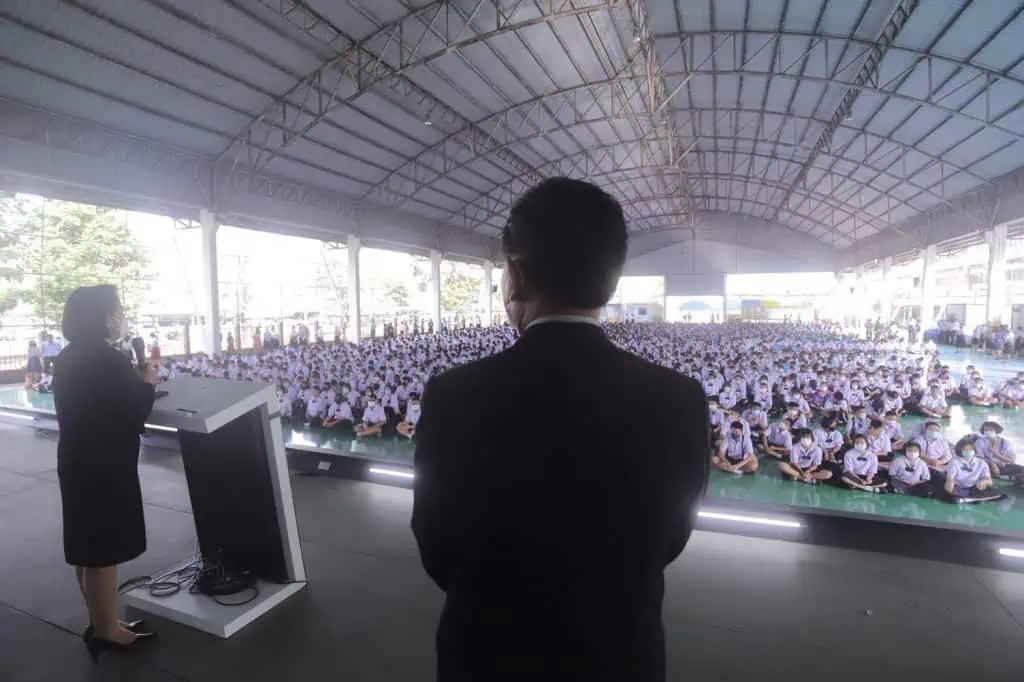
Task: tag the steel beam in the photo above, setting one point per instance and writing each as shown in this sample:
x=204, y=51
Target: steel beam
x=386, y=56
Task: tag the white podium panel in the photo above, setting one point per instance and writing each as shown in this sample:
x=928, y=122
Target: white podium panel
x=237, y=473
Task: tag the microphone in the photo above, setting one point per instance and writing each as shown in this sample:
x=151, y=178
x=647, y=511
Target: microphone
x=139, y=346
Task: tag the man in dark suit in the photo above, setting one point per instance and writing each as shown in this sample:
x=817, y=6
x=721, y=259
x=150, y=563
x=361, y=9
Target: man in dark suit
x=557, y=479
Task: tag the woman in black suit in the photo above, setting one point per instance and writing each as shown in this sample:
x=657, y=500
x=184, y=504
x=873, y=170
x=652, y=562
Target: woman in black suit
x=102, y=403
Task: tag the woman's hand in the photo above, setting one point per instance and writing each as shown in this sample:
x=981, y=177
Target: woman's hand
x=148, y=374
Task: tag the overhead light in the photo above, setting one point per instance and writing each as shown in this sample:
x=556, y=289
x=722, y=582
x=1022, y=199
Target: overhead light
x=636, y=39
x=757, y=520
x=168, y=429
x=1015, y=553
x=397, y=473
x=428, y=123
x=15, y=415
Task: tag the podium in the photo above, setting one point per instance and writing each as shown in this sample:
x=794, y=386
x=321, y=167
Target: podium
x=237, y=474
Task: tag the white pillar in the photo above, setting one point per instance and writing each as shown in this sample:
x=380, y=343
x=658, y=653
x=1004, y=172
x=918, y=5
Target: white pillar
x=885, y=295
x=210, y=341
x=996, y=304
x=488, y=297
x=435, y=289
x=353, y=331
x=927, y=289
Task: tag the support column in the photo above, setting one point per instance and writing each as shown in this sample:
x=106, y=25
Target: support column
x=210, y=342
x=996, y=304
x=353, y=331
x=927, y=289
x=435, y=289
x=885, y=295
x=488, y=295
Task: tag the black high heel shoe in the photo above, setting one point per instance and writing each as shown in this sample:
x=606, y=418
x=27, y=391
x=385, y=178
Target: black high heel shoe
x=136, y=626
x=94, y=645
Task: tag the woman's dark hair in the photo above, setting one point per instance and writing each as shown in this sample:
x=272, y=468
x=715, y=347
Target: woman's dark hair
x=568, y=238
x=86, y=312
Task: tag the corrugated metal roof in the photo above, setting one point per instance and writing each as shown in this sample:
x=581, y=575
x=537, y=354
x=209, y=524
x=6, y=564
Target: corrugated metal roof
x=836, y=119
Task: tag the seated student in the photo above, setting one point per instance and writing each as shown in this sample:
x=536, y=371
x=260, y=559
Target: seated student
x=935, y=450
x=45, y=384
x=979, y=395
x=763, y=395
x=285, y=404
x=805, y=461
x=733, y=415
x=997, y=452
x=727, y=400
x=407, y=427
x=837, y=408
x=756, y=420
x=829, y=439
x=796, y=416
x=878, y=441
x=855, y=396
x=1011, y=394
x=892, y=402
x=859, y=424
x=860, y=467
x=894, y=430
x=735, y=454
x=933, y=403
x=339, y=415
x=777, y=440
x=316, y=408
x=909, y=475
x=968, y=478
x=716, y=418
x=373, y=419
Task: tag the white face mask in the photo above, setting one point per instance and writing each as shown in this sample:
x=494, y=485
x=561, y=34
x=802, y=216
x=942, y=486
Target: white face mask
x=912, y=455
x=933, y=435
x=806, y=442
x=860, y=447
x=990, y=434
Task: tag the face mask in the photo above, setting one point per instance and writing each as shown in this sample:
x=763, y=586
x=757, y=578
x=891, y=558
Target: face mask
x=990, y=434
x=806, y=442
x=912, y=455
x=735, y=436
x=933, y=435
x=860, y=447
x=967, y=454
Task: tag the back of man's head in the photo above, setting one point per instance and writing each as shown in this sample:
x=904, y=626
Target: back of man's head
x=568, y=237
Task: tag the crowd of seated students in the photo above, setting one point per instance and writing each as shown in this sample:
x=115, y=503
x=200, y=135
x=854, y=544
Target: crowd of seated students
x=828, y=407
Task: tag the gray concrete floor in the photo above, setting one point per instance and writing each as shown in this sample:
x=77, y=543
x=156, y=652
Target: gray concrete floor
x=736, y=608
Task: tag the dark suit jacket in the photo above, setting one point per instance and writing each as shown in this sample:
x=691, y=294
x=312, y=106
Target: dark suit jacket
x=554, y=483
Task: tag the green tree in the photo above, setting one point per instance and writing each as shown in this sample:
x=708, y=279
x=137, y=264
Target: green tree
x=459, y=291
x=59, y=246
x=395, y=293
x=12, y=213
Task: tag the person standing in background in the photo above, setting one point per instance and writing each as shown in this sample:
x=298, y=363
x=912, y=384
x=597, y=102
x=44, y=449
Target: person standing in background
x=50, y=350
x=550, y=542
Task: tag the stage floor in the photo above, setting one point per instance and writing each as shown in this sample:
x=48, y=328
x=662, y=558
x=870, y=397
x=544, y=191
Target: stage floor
x=766, y=487
x=736, y=608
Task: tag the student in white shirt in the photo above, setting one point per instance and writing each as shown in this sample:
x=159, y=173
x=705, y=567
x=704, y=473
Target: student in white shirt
x=777, y=441
x=968, y=479
x=935, y=450
x=980, y=396
x=805, y=461
x=1011, y=395
x=860, y=467
x=373, y=419
x=933, y=403
x=407, y=427
x=878, y=441
x=909, y=475
x=284, y=404
x=717, y=417
x=837, y=407
x=859, y=424
x=997, y=451
x=735, y=454
x=339, y=415
x=829, y=439
x=894, y=430
x=315, y=408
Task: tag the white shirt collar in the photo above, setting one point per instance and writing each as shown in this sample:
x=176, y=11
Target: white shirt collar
x=573, y=319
